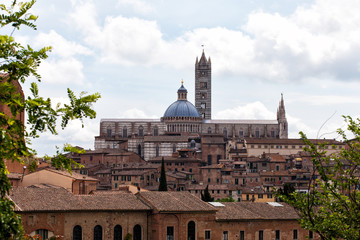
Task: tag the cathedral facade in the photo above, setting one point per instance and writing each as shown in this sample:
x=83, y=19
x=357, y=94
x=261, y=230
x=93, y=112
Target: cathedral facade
x=183, y=124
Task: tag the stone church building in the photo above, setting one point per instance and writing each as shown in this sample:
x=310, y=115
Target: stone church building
x=183, y=124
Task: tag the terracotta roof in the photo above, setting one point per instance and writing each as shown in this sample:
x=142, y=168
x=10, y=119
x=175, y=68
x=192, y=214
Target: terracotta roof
x=245, y=211
x=213, y=166
x=131, y=173
x=290, y=141
x=59, y=199
x=175, y=202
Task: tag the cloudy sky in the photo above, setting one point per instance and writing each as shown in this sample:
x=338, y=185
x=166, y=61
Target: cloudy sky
x=135, y=53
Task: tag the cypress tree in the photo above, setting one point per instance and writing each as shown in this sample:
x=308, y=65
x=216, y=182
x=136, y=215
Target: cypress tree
x=206, y=197
x=163, y=183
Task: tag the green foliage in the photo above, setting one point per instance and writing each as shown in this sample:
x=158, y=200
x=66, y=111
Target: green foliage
x=17, y=64
x=128, y=236
x=206, y=197
x=227, y=199
x=163, y=183
x=287, y=190
x=331, y=208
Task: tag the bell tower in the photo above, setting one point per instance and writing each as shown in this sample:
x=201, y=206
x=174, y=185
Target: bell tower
x=203, y=86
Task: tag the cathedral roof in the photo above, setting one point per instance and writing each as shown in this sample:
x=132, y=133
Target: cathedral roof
x=181, y=108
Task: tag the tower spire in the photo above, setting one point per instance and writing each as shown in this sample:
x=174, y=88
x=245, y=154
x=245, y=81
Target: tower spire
x=281, y=117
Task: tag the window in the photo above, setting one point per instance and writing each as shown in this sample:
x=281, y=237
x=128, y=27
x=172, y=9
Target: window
x=174, y=148
x=236, y=181
x=129, y=178
x=207, y=234
x=242, y=235
x=108, y=132
x=217, y=180
x=31, y=219
x=115, y=185
x=43, y=233
x=257, y=133
x=260, y=196
x=117, y=232
x=141, y=131
x=272, y=133
x=203, y=105
x=247, y=197
x=241, y=133
x=203, y=84
x=97, y=232
x=225, y=133
x=225, y=235
x=263, y=164
x=269, y=196
x=261, y=235
x=77, y=233
x=277, y=168
x=139, y=150
x=311, y=235
x=125, y=132
x=218, y=157
x=170, y=233
x=157, y=151
x=209, y=130
x=209, y=159
x=137, y=232
x=277, y=235
x=208, y=180
x=156, y=131
x=295, y=234
x=191, y=230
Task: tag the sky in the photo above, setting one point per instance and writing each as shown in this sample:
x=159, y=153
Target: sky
x=135, y=54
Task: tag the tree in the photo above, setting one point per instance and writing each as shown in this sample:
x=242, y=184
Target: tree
x=17, y=64
x=331, y=207
x=163, y=183
x=206, y=197
x=227, y=199
x=287, y=190
x=128, y=236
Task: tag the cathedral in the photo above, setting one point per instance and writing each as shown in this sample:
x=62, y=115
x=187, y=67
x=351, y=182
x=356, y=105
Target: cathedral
x=184, y=124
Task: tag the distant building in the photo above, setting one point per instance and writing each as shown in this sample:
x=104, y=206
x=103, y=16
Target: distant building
x=183, y=124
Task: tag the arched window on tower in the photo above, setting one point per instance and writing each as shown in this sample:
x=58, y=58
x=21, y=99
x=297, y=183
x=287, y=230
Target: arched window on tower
x=272, y=133
x=141, y=131
x=209, y=130
x=174, y=148
x=125, y=132
x=156, y=131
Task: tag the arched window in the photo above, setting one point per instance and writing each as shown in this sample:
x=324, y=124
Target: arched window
x=157, y=151
x=257, y=133
x=77, y=233
x=125, y=132
x=108, y=132
x=141, y=131
x=209, y=130
x=272, y=133
x=156, y=131
x=139, y=150
x=97, y=232
x=241, y=133
x=174, y=148
x=44, y=233
x=137, y=232
x=225, y=133
x=192, y=144
x=117, y=232
x=191, y=230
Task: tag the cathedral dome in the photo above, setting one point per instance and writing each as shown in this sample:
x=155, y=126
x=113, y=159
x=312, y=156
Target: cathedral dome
x=181, y=108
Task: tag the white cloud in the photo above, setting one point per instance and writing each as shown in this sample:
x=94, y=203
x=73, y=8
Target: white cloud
x=62, y=71
x=60, y=46
x=255, y=110
x=317, y=40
